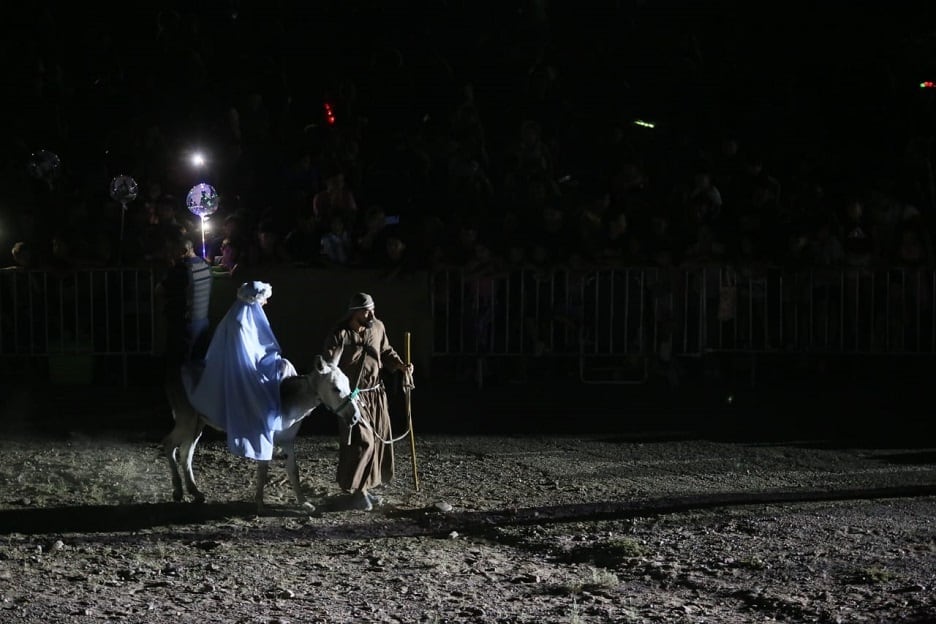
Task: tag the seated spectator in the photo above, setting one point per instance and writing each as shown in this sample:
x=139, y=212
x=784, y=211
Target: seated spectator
x=470, y=191
x=462, y=248
x=553, y=242
x=397, y=258
x=705, y=250
x=750, y=259
x=335, y=198
x=484, y=262
x=23, y=257
x=702, y=188
x=532, y=149
x=167, y=215
x=823, y=248
x=233, y=229
x=859, y=236
x=912, y=249
x=267, y=248
x=368, y=239
x=615, y=245
x=430, y=244
x=302, y=242
x=661, y=246
x=336, y=243
x=228, y=262
x=592, y=230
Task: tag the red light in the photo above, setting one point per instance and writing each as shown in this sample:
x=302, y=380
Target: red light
x=329, y=114
x=928, y=84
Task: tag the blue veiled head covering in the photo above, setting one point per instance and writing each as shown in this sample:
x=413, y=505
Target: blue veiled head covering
x=254, y=292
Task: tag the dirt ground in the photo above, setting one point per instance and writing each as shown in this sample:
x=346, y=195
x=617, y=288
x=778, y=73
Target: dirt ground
x=607, y=527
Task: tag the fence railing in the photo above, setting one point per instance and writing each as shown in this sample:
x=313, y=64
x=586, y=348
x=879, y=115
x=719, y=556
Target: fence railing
x=660, y=313
x=641, y=314
x=86, y=312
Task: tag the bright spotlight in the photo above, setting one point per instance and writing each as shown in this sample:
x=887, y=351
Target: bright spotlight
x=198, y=159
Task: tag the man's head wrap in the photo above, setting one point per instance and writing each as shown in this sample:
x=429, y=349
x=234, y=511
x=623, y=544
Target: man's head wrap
x=361, y=301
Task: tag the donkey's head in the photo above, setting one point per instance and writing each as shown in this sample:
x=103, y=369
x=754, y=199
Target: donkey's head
x=335, y=391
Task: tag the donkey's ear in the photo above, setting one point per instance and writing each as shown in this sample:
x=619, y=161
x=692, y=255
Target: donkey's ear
x=332, y=363
x=320, y=365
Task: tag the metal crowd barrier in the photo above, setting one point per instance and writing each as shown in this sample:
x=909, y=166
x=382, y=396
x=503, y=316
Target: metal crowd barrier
x=72, y=316
x=613, y=324
x=620, y=320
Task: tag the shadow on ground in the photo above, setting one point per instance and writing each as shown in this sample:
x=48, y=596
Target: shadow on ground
x=410, y=522
x=107, y=518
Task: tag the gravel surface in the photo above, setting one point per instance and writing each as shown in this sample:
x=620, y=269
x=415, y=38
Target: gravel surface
x=504, y=529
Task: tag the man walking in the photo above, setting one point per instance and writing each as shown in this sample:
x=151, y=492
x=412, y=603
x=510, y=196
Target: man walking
x=358, y=344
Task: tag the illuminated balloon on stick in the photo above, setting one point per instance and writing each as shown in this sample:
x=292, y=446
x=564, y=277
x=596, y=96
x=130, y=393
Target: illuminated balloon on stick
x=202, y=201
x=123, y=189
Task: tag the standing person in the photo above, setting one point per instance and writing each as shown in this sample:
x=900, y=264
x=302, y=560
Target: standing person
x=186, y=291
x=359, y=345
x=237, y=389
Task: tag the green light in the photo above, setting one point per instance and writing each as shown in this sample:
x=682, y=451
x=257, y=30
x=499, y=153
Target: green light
x=645, y=124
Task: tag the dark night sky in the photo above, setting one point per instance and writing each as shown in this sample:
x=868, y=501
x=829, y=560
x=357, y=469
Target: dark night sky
x=737, y=48
x=845, y=73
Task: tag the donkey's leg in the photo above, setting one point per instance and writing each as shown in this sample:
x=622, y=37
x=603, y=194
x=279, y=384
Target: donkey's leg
x=292, y=471
x=188, y=453
x=170, y=449
x=179, y=444
x=183, y=436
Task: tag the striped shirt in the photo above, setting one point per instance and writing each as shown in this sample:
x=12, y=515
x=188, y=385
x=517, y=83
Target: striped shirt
x=198, y=290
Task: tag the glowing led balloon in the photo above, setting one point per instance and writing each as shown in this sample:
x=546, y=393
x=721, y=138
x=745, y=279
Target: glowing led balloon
x=202, y=200
x=123, y=189
x=44, y=165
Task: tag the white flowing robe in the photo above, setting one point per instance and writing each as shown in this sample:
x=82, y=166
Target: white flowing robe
x=236, y=388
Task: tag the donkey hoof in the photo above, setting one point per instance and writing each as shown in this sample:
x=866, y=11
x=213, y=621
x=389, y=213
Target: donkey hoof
x=198, y=498
x=177, y=496
x=307, y=506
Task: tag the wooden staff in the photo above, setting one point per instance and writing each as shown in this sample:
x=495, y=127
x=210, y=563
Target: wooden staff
x=409, y=415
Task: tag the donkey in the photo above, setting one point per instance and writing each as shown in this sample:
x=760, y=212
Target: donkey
x=299, y=395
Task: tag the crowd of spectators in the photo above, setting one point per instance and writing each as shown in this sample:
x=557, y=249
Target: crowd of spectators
x=337, y=140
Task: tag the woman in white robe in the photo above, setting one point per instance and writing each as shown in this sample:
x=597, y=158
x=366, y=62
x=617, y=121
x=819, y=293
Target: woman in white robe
x=236, y=388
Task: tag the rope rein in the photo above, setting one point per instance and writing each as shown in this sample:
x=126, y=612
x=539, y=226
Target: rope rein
x=377, y=435
x=360, y=421
x=351, y=398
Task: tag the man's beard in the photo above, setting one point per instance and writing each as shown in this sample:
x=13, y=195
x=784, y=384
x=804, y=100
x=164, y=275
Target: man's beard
x=368, y=323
